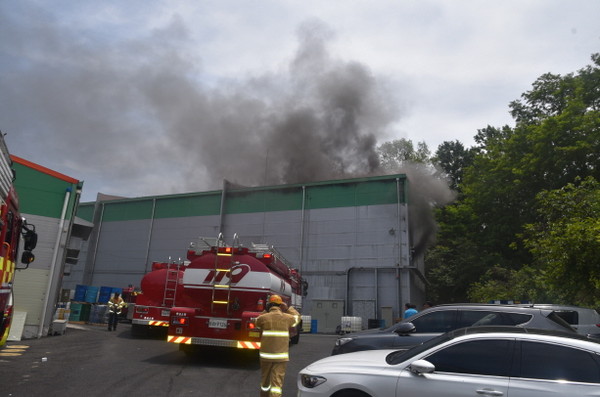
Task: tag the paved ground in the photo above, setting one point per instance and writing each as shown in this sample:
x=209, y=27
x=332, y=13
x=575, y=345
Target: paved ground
x=90, y=361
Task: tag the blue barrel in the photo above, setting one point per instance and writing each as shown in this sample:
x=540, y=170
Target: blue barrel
x=104, y=295
x=313, y=326
x=80, y=291
x=91, y=294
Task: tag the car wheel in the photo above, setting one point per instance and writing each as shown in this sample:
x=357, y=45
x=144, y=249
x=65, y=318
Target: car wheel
x=350, y=393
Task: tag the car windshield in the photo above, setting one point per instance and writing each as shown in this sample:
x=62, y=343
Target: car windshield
x=402, y=355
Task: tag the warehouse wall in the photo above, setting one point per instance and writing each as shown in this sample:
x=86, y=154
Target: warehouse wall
x=47, y=200
x=325, y=229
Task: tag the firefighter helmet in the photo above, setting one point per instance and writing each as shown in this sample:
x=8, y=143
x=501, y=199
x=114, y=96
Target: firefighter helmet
x=275, y=299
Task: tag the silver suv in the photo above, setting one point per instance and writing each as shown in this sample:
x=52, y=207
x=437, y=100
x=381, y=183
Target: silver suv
x=443, y=318
x=584, y=320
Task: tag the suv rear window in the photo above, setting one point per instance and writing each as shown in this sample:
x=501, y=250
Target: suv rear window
x=559, y=320
x=570, y=316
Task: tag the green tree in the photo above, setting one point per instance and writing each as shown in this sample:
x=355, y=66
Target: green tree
x=566, y=241
x=453, y=158
x=556, y=139
x=394, y=154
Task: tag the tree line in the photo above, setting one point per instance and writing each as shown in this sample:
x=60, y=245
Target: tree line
x=526, y=221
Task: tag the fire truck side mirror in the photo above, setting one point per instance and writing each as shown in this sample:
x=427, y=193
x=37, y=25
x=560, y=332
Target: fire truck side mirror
x=27, y=257
x=30, y=239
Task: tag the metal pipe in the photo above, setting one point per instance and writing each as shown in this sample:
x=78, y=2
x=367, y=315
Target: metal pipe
x=150, y=235
x=222, y=209
x=302, y=229
x=54, y=259
x=99, y=231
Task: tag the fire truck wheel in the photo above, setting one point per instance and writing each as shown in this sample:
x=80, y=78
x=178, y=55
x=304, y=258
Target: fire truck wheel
x=189, y=350
x=296, y=338
x=138, y=331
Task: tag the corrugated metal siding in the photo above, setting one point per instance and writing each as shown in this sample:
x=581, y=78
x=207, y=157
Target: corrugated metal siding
x=344, y=225
x=30, y=292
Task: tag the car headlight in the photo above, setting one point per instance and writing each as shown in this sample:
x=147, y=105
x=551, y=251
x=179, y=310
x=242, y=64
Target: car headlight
x=311, y=381
x=342, y=341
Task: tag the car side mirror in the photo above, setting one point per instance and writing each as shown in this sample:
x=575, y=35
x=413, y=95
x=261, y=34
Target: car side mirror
x=405, y=328
x=421, y=367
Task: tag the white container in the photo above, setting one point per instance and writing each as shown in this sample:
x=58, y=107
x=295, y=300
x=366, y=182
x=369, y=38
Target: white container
x=351, y=324
x=306, y=321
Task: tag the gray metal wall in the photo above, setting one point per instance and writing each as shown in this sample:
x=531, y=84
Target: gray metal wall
x=357, y=255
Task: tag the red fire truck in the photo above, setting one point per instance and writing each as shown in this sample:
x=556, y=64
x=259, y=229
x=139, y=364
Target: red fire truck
x=160, y=288
x=224, y=289
x=12, y=226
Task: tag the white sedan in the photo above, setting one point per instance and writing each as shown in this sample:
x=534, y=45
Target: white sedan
x=480, y=361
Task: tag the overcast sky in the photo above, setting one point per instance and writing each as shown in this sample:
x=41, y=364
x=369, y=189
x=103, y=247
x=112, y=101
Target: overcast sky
x=145, y=97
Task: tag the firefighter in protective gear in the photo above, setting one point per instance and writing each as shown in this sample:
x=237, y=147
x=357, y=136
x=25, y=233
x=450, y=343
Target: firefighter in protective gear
x=115, y=306
x=274, y=346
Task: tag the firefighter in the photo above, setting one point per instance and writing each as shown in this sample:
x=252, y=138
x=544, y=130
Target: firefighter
x=115, y=306
x=274, y=346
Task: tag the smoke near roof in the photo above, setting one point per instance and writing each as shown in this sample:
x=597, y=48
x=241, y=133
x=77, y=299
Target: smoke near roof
x=140, y=117
x=317, y=119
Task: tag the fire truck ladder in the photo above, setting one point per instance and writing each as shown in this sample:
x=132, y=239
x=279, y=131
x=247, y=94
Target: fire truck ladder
x=171, y=283
x=221, y=291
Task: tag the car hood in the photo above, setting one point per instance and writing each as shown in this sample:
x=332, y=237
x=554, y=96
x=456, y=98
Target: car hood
x=367, y=332
x=363, y=361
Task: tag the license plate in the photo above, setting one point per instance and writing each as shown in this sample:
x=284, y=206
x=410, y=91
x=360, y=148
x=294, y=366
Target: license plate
x=254, y=334
x=217, y=323
x=165, y=313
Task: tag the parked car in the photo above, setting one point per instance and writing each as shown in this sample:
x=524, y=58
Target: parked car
x=443, y=318
x=475, y=361
x=584, y=320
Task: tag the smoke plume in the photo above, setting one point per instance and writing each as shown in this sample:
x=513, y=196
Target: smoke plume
x=141, y=117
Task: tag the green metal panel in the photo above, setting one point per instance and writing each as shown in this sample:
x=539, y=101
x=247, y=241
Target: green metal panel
x=352, y=194
x=329, y=194
x=40, y=193
x=85, y=211
x=188, y=205
x=127, y=210
x=247, y=201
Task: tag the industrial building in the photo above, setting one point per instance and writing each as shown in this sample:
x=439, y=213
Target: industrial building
x=48, y=200
x=350, y=240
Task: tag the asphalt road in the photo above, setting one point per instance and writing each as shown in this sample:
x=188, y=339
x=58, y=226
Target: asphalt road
x=91, y=361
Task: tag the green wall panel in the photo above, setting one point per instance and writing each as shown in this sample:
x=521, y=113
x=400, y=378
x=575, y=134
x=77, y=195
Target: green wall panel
x=85, y=211
x=127, y=210
x=329, y=194
x=184, y=206
x=41, y=194
x=263, y=200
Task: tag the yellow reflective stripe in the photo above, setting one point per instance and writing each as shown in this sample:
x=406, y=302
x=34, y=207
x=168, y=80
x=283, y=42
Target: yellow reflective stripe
x=273, y=355
x=276, y=333
x=297, y=318
x=8, y=268
x=276, y=390
x=265, y=388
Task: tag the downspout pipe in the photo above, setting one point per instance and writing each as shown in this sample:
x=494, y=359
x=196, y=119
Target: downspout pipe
x=222, y=208
x=302, y=228
x=150, y=229
x=54, y=260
